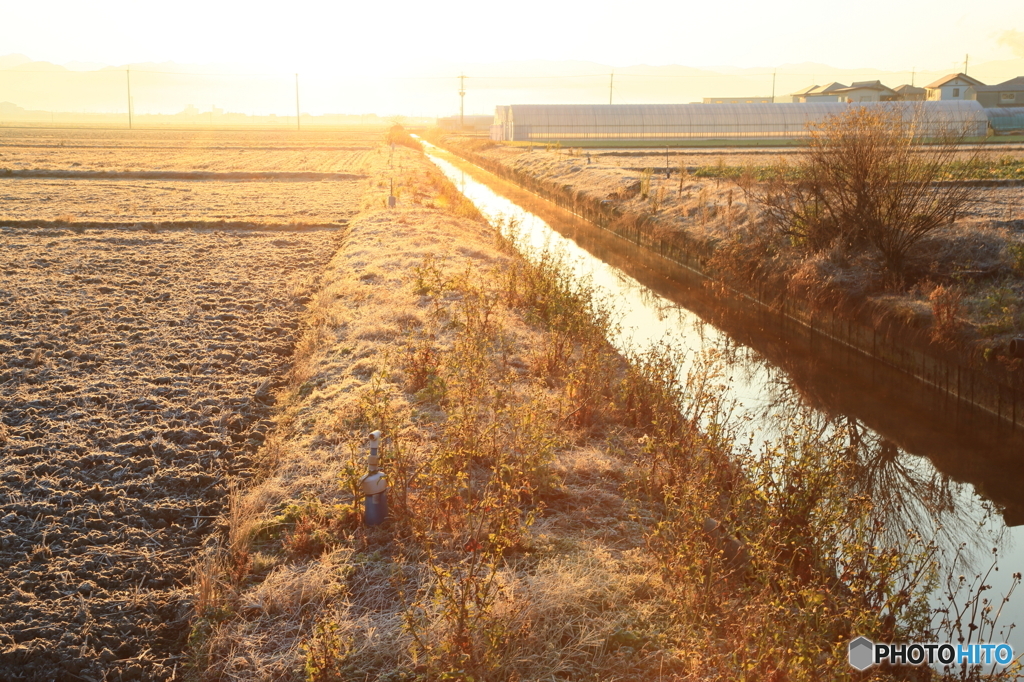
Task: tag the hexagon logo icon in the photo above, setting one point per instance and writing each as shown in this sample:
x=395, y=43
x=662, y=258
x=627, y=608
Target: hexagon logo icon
x=862, y=653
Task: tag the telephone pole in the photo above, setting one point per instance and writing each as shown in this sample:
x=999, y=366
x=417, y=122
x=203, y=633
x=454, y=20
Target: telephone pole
x=611, y=87
x=462, y=101
x=774, y=73
x=128, y=76
x=965, y=63
x=298, y=124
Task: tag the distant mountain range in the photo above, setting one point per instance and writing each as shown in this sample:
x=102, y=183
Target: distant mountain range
x=170, y=87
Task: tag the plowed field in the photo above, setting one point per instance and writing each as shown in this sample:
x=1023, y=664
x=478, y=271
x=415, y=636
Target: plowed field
x=137, y=372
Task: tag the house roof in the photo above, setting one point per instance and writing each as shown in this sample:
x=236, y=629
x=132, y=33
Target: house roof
x=1012, y=85
x=804, y=91
x=908, y=90
x=865, y=85
x=953, y=76
x=828, y=89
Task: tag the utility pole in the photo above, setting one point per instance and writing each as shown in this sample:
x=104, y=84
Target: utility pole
x=298, y=124
x=128, y=76
x=913, y=73
x=776, y=71
x=462, y=101
x=965, y=63
x=611, y=87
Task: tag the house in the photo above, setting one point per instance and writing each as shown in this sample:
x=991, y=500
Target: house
x=908, y=93
x=1008, y=94
x=954, y=86
x=866, y=91
x=800, y=95
x=818, y=93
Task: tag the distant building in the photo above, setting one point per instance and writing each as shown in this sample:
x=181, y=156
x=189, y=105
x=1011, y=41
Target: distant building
x=737, y=100
x=1008, y=94
x=656, y=124
x=908, y=93
x=866, y=91
x=817, y=93
x=800, y=95
x=955, y=86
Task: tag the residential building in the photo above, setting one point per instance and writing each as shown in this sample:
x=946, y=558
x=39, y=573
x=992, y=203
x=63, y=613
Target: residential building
x=955, y=86
x=800, y=96
x=818, y=93
x=1008, y=94
x=908, y=93
x=866, y=91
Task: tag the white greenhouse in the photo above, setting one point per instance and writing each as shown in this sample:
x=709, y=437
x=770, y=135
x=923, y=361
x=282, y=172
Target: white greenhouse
x=668, y=122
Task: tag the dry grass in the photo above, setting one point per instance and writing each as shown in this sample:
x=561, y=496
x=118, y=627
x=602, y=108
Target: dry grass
x=361, y=363
x=347, y=361
x=548, y=499
x=712, y=203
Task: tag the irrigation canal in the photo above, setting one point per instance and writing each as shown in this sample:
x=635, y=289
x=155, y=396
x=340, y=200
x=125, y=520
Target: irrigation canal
x=932, y=463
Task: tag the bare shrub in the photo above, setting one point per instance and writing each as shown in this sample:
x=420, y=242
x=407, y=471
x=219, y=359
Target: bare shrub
x=399, y=135
x=868, y=183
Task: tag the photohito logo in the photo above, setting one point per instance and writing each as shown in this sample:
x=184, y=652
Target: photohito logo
x=864, y=653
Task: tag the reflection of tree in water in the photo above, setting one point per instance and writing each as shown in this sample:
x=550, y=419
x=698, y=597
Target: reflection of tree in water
x=908, y=493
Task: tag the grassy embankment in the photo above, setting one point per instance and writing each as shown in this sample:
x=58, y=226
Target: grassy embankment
x=548, y=498
x=961, y=296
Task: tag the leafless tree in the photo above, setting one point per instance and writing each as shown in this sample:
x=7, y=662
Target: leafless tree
x=879, y=177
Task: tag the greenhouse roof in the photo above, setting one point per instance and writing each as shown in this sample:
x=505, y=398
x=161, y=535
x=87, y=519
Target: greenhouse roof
x=671, y=121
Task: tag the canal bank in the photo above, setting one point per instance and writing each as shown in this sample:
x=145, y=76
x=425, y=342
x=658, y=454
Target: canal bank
x=872, y=327
x=778, y=366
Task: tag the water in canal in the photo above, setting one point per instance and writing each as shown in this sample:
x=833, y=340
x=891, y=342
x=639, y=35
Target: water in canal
x=935, y=465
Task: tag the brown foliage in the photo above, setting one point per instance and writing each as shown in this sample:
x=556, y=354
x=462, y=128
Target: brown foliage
x=947, y=308
x=869, y=184
x=399, y=135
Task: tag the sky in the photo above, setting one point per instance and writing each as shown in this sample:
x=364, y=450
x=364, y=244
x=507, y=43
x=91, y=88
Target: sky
x=423, y=40
x=400, y=34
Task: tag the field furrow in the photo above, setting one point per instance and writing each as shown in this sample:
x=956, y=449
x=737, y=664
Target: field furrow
x=136, y=374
